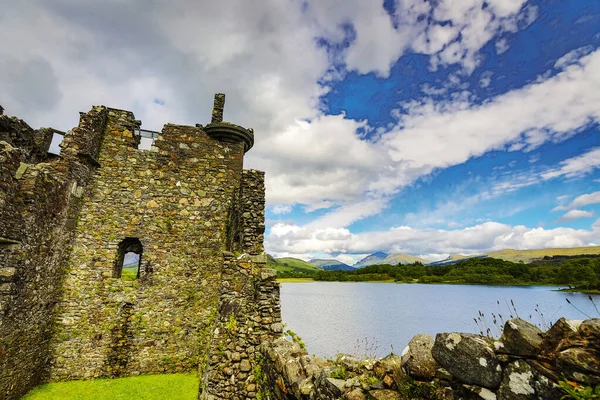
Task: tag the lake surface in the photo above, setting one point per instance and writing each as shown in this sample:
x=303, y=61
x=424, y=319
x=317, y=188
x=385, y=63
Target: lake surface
x=368, y=319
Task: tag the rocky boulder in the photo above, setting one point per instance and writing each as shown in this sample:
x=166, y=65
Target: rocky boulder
x=390, y=366
x=521, y=338
x=557, y=333
x=518, y=382
x=589, y=330
x=417, y=359
x=469, y=358
x=580, y=364
x=326, y=387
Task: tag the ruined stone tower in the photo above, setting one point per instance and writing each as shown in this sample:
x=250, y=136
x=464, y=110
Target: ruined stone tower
x=117, y=256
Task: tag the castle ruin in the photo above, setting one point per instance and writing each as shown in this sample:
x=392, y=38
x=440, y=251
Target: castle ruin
x=132, y=252
x=138, y=252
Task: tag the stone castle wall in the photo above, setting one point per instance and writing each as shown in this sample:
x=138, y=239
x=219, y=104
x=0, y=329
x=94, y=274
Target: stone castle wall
x=66, y=314
x=39, y=202
x=176, y=200
x=249, y=314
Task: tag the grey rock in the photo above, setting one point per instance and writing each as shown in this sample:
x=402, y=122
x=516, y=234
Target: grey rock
x=389, y=365
x=521, y=338
x=356, y=394
x=326, y=387
x=546, y=389
x=417, y=360
x=558, y=332
x=518, y=382
x=469, y=358
x=349, y=362
x=245, y=366
x=590, y=331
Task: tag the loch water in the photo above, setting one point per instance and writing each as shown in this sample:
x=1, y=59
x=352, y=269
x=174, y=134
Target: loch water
x=372, y=319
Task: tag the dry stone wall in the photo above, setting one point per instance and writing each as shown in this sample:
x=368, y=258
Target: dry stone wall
x=523, y=364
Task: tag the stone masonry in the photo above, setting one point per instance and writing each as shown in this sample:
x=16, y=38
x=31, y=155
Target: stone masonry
x=186, y=204
x=523, y=364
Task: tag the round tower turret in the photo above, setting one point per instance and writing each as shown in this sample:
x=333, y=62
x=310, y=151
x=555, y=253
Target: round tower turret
x=225, y=131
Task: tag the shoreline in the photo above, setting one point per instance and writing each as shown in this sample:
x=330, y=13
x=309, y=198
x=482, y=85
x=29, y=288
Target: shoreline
x=566, y=290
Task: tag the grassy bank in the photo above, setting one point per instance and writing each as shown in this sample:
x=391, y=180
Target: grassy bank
x=145, y=387
x=284, y=280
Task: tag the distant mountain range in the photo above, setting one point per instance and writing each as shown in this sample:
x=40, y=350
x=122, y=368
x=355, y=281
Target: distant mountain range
x=453, y=259
x=392, y=259
x=290, y=264
x=331, y=265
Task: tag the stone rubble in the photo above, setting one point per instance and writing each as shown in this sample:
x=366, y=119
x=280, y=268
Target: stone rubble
x=453, y=366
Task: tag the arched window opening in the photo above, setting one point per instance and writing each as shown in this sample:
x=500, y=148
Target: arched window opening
x=129, y=259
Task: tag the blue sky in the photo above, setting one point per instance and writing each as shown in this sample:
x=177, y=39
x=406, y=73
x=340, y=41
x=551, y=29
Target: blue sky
x=413, y=126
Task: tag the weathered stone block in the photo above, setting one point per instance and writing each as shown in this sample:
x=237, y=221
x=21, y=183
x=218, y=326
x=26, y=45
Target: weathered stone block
x=417, y=359
x=521, y=338
x=469, y=358
x=517, y=383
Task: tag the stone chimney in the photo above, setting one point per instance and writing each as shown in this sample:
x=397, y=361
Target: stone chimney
x=217, y=113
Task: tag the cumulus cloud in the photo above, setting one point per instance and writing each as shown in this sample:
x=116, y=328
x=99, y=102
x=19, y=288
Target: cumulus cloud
x=433, y=135
x=438, y=134
x=451, y=32
x=480, y=238
x=576, y=214
x=270, y=62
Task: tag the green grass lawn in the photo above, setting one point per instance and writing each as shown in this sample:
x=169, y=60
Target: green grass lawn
x=145, y=387
x=129, y=272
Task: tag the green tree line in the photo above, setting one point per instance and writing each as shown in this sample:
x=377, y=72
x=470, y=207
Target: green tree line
x=580, y=272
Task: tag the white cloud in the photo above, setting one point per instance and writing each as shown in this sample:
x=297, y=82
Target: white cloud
x=586, y=199
x=580, y=201
x=456, y=33
x=435, y=135
x=577, y=166
x=572, y=57
x=485, y=79
x=439, y=134
x=576, y=214
x=282, y=209
x=501, y=46
x=480, y=238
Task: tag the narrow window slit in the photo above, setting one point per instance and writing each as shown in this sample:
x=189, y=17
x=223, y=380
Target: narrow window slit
x=129, y=259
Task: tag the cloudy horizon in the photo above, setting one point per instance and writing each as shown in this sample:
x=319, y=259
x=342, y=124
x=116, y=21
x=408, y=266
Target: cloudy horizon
x=406, y=126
